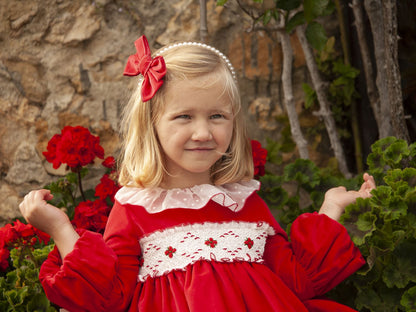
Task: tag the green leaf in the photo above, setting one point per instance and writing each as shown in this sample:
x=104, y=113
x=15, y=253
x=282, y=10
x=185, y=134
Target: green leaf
x=310, y=95
x=360, y=219
x=397, y=208
x=72, y=177
x=378, y=298
x=382, y=144
x=327, y=51
x=267, y=16
x=304, y=172
x=366, y=221
x=39, y=302
x=395, y=153
x=329, y=9
x=408, y=299
x=296, y=20
x=221, y=2
x=345, y=70
x=274, y=154
x=316, y=36
x=314, y=8
x=288, y=5
x=16, y=297
x=401, y=269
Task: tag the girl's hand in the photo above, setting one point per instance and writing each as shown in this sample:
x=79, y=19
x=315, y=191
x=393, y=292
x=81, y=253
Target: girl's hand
x=49, y=219
x=336, y=199
x=42, y=215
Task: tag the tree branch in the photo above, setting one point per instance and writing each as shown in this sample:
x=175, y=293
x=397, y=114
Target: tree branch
x=295, y=129
x=375, y=15
x=323, y=102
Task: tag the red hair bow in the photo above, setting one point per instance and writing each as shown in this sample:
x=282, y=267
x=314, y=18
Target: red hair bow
x=153, y=70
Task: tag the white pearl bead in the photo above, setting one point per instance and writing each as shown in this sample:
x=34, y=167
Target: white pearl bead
x=199, y=44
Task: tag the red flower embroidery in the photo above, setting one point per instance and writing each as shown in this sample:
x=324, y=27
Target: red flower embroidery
x=259, y=158
x=170, y=251
x=211, y=242
x=249, y=243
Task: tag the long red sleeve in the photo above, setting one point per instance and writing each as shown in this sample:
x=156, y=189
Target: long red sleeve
x=100, y=274
x=319, y=256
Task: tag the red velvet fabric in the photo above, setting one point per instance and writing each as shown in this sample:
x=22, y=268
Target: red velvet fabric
x=100, y=274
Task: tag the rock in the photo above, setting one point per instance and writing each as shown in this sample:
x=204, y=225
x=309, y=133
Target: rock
x=26, y=16
x=27, y=166
x=9, y=205
x=87, y=23
x=265, y=113
x=28, y=79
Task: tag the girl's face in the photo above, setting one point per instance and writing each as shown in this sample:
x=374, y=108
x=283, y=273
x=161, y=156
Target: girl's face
x=194, y=130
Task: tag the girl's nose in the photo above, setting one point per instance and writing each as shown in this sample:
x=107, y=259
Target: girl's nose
x=202, y=132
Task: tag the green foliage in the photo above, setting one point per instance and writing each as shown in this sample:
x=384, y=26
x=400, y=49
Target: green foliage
x=300, y=189
x=288, y=5
x=221, y=2
x=65, y=191
x=383, y=226
x=310, y=95
x=296, y=20
x=20, y=288
x=310, y=11
x=341, y=89
x=316, y=36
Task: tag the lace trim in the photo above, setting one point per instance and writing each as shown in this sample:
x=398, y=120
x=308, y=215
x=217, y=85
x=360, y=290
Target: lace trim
x=176, y=248
x=232, y=196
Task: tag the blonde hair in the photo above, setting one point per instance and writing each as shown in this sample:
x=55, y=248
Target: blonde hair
x=142, y=158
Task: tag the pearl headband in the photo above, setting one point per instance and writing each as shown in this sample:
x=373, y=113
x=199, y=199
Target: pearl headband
x=153, y=70
x=205, y=46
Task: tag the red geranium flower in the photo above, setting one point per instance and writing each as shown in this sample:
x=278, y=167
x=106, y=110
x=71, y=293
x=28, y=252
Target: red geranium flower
x=51, y=151
x=106, y=188
x=7, y=235
x=109, y=162
x=23, y=230
x=75, y=146
x=18, y=235
x=91, y=215
x=4, y=256
x=259, y=158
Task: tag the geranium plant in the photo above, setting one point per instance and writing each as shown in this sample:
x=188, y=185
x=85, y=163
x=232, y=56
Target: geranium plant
x=23, y=248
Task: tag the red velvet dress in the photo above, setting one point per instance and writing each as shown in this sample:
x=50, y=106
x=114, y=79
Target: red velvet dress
x=216, y=254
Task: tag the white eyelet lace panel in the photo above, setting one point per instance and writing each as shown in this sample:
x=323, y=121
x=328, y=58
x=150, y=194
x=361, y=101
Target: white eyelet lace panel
x=176, y=248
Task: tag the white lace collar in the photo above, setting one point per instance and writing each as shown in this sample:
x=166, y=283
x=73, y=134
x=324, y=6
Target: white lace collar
x=232, y=196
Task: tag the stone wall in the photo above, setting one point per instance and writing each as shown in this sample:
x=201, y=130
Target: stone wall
x=61, y=63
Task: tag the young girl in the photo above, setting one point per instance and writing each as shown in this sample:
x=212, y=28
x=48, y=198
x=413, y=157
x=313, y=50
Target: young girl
x=188, y=231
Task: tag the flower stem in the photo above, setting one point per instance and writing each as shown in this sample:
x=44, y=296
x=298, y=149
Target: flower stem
x=80, y=185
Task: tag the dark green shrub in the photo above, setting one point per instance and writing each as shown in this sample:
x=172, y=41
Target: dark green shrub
x=383, y=226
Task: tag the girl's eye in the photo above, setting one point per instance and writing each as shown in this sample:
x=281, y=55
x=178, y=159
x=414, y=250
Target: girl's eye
x=217, y=116
x=184, y=116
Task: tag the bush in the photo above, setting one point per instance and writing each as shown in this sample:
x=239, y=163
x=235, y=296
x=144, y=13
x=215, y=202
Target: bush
x=383, y=226
x=23, y=248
